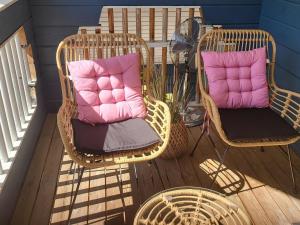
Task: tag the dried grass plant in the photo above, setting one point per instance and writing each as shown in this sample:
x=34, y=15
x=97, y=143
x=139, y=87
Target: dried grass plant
x=171, y=91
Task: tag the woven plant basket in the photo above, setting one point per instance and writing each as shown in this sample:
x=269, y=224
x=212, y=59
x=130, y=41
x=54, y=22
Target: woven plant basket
x=178, y=142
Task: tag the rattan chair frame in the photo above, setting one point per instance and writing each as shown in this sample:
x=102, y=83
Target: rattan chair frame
x=93, y=46
x=190, y=205
x=284, y=102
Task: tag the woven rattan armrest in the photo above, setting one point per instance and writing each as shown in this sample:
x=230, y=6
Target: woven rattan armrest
x=287, y=104
x=158, y=117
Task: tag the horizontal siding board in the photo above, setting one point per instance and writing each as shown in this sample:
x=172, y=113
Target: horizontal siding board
x=232, y=14
x=288, y=60
x=9, y=22
x=50, y=74
x=281, y=18
x=283, y=11
x=65, y=15
x=89, y=15
x=283, y=34
x=241, y=26
x=287, y=80
x=51, y=92
x=145, y=2
x=51, y=36
x=47, y=55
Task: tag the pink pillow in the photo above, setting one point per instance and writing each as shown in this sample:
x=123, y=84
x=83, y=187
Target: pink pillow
x=237, y=79
x=108, y=90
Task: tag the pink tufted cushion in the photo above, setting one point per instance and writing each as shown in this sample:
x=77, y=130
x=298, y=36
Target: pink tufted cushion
x=108, y=90
x=237, y=79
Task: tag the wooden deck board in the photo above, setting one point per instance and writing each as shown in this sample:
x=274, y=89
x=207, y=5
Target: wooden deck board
x=47, y=190
x=266, y=202
x=257, y=181
x=281, y=198
x=31, y=185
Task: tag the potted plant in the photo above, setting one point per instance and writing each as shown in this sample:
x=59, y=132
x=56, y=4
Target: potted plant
x=170, y=91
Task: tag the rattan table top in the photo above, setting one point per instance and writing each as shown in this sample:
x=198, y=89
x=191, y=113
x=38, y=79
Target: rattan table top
x=190, y=206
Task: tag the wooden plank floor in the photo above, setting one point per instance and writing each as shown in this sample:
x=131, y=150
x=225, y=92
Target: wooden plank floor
x=258, y=181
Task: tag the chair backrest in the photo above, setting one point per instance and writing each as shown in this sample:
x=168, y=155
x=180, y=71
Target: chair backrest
x=223, y=40
x=95, y=46
x=155, y=24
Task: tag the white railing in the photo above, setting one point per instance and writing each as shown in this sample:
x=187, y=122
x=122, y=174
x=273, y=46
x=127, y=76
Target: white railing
x=17, y=100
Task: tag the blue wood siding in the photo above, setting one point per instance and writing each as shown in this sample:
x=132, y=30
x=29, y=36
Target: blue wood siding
x=55, y=19
x=9, y=22
x=281, y=18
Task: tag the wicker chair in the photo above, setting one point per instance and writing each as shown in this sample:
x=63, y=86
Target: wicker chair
x=283, y=102
x=93, y=46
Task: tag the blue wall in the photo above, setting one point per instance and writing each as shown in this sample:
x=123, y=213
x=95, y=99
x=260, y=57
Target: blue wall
x=55, y=19
x=11, y=19
x=8, y=23
x=282, y=19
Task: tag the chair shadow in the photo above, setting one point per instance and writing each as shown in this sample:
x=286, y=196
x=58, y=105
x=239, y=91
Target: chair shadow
x=103, y=198
x=248, y=168
x=229, y=181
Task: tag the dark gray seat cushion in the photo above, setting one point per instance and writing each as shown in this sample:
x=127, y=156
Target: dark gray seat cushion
x=119, y=136
x=255, y=125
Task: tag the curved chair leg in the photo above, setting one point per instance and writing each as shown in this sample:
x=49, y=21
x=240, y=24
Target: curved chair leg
x=137, y=183
x=200, y=137
x=149, y=163
x=205, y=126
x=120, y=181
x=73, y=198
x=292, y=169
x=120, y=174
x=71, y=166
x=135, y=174
x=222, y=159
x=157, y=169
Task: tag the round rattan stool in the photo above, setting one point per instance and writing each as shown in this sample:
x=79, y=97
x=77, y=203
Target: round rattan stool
x=190, y=206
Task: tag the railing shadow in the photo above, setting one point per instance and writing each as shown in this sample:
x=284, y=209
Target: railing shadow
x=106, y=197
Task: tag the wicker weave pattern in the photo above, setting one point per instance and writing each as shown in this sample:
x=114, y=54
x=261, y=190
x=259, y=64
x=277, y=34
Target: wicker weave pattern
x=93, y=46
x=178, y=142
x=284, y=102
x=188, y=205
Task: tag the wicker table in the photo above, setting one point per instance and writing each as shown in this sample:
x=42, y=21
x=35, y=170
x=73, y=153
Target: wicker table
x=190, y=206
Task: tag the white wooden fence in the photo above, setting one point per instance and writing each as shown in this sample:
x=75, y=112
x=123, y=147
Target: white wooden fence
x=17, y=99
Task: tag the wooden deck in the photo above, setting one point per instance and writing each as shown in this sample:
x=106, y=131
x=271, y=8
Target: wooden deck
x=257, y=181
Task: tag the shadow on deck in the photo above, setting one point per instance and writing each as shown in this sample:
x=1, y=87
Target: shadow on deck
x=257, y=181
